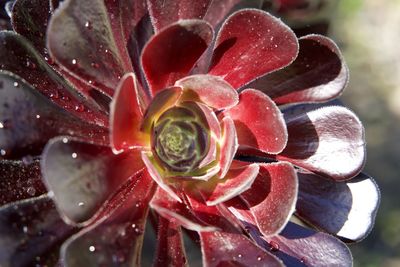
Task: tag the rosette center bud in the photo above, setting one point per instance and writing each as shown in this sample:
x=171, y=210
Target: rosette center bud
x=180, y=138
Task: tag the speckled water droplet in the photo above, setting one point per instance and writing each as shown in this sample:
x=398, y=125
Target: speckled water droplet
x=88, y=25
x=95, y=65
x=31, y=191
x=80, y=108
x=31, y=65
x=55, y=95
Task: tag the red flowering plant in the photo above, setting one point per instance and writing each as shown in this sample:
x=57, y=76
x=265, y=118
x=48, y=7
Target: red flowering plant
x=199, y=136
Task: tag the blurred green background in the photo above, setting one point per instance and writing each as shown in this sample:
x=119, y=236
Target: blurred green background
x=368, y=32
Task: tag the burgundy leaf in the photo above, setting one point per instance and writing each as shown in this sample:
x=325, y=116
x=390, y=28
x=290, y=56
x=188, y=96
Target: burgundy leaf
x=20, y=180
x=345, y=209
x=30, y=19
x=20, y=58
x=28, y=120
x=299, y=246
x=116, y=240
x=272, y=197
x=259, y=123
x=211, y=90
x=228, y=145
x=89, y=48
x=166, y=12
x=170, y=247
x=126, y=115
x=328, y=141
x=177, y=212
x=30, y=232
x=230, y=249
x=83, y=176
x=238, y=179
x=175, y=50
x=319, y=73
x=218, y=10
x=252, y=43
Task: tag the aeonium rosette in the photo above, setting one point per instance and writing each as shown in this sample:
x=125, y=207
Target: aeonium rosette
x=186, y=136
x=187, y=141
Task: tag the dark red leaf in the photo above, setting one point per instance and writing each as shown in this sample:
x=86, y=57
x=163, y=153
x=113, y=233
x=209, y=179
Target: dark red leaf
x=345, y=209
x=299, y=246
x=20, y=58
x=229, y=249
x=28, y=120
x=328, y=141
x=30, y=19
x=116, y=240
x=318, y=74
x=20, y=180
x=84, y=176
x=166, y=12
x=252, y=43
x=30, y=233
x=92, y=48
x=172, y=52
x=170, y=247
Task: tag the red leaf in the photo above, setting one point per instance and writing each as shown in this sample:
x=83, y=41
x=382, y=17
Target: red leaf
x=172, y=52
x=252, y=43
x=259, y=123
x=126, y=116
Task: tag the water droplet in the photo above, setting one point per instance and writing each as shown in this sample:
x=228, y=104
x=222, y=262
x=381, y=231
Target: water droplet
x=49, y=60
x=55, y=95
x=88, y=25
x=92, y=248
x=240, y=255
x=95, y=65
x=74, y=61
x=65, y=140
x=81, y=204
x=37, y=116
x=133, y=225
x=302, y=260
x=31, y=191
x=79, y=107
x=3, y=152
x=274, y=246
x=30, y=65
x=25, y=229
x=74, y=155
x=259, y=258
x=27, y=160
x=16, y=84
